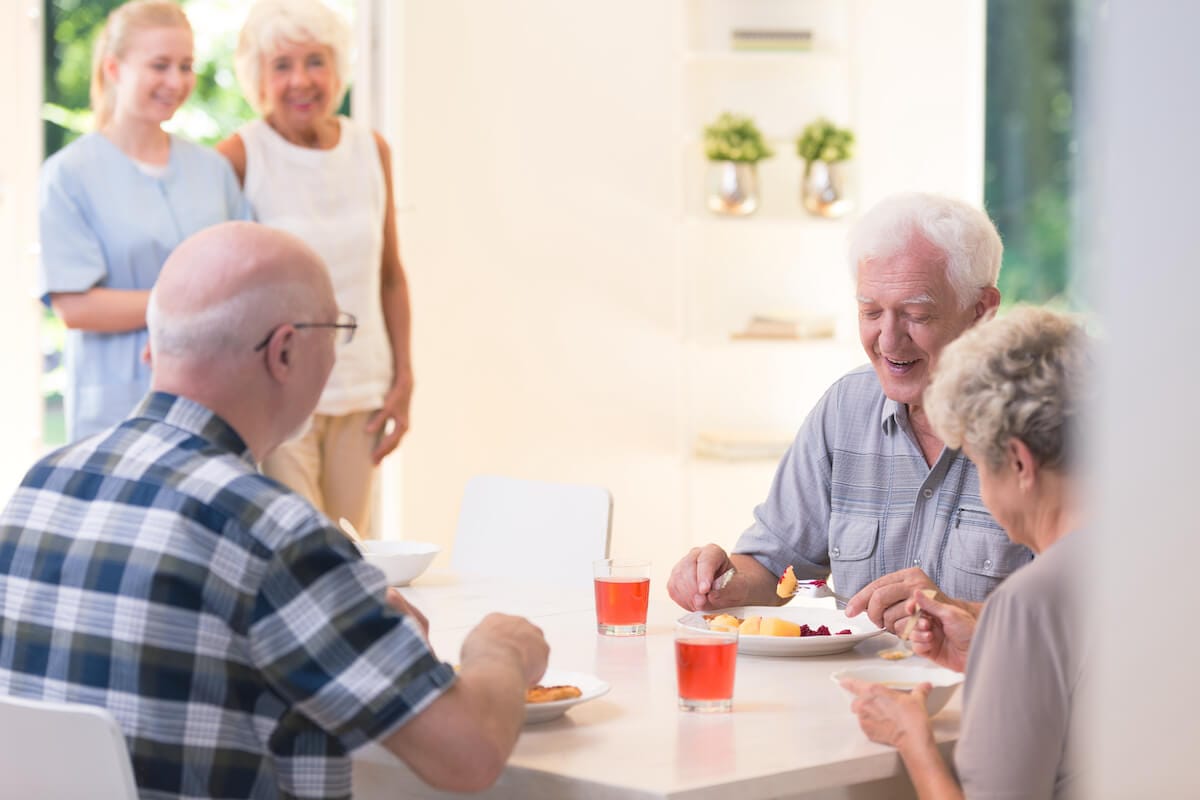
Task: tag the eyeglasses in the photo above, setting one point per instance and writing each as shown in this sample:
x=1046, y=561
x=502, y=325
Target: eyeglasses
x=347, y=323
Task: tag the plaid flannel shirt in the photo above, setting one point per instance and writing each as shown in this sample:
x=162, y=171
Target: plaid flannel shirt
x=239, y=639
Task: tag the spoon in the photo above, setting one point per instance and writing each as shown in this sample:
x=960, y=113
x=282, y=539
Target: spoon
x=349, y=529
x=905, y=649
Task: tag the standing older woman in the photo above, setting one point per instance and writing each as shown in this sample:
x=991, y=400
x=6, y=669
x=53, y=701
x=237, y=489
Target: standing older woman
x=116, y=202
x=1009, y=393
x=327, y=179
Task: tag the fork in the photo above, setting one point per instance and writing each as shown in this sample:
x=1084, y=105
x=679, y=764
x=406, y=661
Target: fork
x=820, y=588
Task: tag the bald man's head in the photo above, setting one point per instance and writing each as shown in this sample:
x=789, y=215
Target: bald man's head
x=225, y=288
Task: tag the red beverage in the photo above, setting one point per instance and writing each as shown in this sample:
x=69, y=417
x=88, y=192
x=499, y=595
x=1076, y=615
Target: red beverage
x=621, y=603
x=705, y=669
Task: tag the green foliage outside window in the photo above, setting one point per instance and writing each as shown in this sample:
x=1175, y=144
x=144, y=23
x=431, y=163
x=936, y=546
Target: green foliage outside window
x=1030, y=143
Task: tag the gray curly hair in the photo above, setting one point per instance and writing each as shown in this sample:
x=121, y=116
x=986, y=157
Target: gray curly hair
x=1021, y=376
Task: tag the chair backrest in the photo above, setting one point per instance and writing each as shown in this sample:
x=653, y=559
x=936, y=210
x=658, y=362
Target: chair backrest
x=533, y=529
x=62, y=751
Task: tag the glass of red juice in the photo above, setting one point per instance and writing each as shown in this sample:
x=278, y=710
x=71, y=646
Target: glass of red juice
x=622, y=596
x=704, y=666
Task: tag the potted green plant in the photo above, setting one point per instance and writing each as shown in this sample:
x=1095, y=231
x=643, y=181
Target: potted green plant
x=734, y=145
x=825, y=149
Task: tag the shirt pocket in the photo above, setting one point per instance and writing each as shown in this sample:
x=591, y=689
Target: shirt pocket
x=852, y=542
x=980, y=555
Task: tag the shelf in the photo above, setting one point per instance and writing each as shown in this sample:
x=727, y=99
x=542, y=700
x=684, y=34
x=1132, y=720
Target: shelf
x=790, y=59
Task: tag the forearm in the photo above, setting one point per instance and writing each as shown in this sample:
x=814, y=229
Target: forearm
x=398, y=320
x=928, y=771
x=102, y=310
x=759, y=582
x=462, y=741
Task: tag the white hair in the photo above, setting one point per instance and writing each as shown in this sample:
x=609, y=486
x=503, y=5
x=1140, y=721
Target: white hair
x=1023, y=376
x=270, y=23
x=964, y=236
x=233, y=325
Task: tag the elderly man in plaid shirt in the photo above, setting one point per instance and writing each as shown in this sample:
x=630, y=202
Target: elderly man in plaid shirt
x=239, y=639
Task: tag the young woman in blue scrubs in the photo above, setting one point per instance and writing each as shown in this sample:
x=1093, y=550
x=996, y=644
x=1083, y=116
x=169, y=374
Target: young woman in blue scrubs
x=116, y=202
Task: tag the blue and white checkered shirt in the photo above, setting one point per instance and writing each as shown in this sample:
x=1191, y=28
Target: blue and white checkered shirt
x=238, y=638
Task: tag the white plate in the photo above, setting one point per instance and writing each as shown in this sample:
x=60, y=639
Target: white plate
x=861, y=628
x=591, y=686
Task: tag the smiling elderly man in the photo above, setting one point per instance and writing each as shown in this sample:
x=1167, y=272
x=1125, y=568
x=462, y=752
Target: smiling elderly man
x=867, y=491
x=237, y=636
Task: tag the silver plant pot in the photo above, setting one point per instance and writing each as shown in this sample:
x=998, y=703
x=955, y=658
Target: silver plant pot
x=732, y=188
x=823, y=191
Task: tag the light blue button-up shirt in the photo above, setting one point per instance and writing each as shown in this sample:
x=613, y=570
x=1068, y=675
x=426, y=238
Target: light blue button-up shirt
x=106, y=223
x=855, y=498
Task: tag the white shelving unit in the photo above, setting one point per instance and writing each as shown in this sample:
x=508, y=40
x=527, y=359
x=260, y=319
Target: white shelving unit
x=779, y=261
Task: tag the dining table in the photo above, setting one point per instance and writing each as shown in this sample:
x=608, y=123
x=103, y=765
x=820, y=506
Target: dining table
x=791, y=733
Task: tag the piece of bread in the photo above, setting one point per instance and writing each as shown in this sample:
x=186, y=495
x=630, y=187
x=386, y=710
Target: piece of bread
x=549, y=694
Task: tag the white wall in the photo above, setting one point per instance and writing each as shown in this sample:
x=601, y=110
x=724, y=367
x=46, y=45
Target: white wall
x=20, y=155
x=1145, y=258
x=539, y=249
x=542, y=206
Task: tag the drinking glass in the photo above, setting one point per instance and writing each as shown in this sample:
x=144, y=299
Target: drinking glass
x=704, y=666
x=622, y=596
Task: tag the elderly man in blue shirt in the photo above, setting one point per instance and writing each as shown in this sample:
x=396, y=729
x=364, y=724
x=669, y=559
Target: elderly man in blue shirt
x=868, y=493
x=237, y=636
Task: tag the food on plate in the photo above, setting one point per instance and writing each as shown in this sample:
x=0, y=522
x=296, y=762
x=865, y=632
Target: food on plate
x=724, y=622
x=767, y=626
x=774, y=626
x=787, y=583
x=550, y=694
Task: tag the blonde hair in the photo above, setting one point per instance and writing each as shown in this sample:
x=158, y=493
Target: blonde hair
x=122, y=23
x=272, y=22
x=1023, y=376
x=963, y=237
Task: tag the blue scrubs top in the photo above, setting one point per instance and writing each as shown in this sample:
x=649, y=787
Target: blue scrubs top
x=105, y=222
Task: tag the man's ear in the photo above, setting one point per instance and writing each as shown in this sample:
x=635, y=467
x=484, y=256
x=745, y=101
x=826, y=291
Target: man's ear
x=989, y=301
x=279, y=353
x=1021, y=462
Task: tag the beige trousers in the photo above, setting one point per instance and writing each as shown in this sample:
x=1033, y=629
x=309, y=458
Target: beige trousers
x=331, y=466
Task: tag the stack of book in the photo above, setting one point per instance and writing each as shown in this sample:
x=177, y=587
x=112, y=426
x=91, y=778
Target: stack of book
x=771, y=39
x=762, y=326
x=743, y=445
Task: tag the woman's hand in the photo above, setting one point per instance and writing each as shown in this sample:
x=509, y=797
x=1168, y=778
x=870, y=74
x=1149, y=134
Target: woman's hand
x=888, y=716
x=394, y=411
x=944, y=631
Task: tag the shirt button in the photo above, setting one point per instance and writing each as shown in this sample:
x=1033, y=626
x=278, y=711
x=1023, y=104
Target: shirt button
x=928, y=493
x=916, y=562
x=987, y=564
x=837, y=551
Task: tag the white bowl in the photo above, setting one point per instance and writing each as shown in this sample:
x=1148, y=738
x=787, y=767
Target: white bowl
x=400, y=561
x=944, y=681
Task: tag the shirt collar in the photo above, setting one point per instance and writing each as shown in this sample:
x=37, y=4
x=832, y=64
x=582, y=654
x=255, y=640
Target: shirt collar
x=192, y=417
x=892, y=415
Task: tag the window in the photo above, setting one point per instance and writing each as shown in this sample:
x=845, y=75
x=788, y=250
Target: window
x=1030, y=143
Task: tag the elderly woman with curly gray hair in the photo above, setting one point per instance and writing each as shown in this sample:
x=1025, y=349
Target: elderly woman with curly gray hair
x=1009, y=394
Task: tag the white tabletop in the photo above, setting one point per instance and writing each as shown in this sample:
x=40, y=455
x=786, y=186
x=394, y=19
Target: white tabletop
x=791, y=733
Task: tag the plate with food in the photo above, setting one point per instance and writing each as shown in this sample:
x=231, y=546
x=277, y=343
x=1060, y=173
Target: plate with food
x=785, y=631
x=558, y=691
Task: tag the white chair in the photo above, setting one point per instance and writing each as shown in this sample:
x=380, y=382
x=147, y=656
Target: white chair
x=62, y=751
x=534, y=529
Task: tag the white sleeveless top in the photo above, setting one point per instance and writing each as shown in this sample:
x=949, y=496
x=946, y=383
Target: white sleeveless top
x=335, y=201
